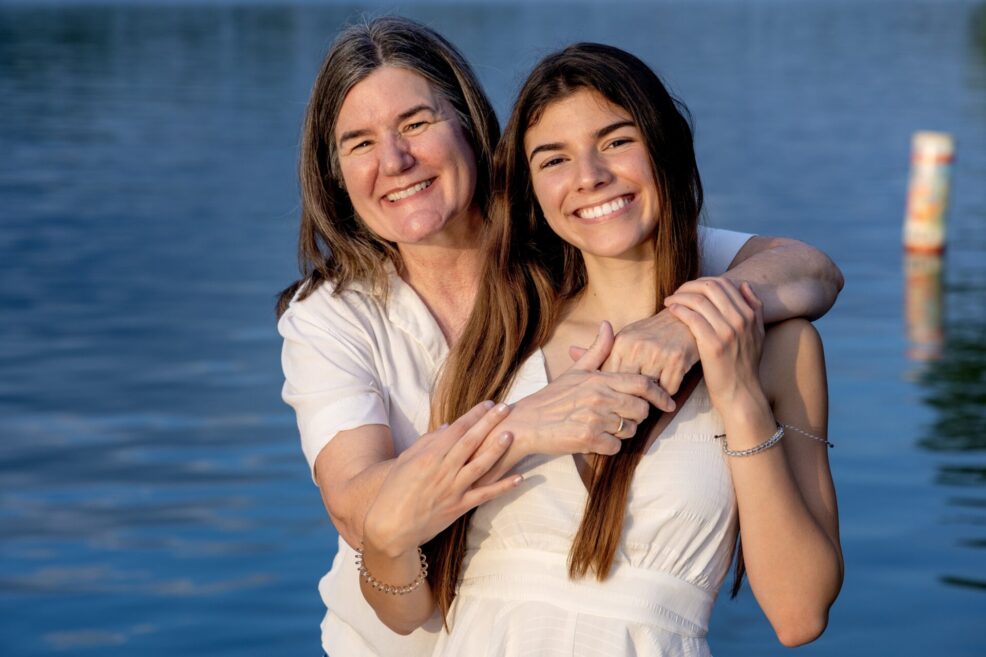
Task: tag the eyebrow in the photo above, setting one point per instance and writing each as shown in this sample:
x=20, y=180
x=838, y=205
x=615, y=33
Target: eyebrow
x=599, y=134
x=403, y=116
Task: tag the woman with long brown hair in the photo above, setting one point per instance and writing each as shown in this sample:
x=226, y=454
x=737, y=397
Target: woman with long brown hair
x=595, y=218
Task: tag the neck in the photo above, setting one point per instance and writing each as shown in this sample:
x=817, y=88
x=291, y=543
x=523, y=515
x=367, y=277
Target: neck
x=620, y=290
x=445, y=276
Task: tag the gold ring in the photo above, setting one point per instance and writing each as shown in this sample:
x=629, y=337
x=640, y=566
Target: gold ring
x=622, y=422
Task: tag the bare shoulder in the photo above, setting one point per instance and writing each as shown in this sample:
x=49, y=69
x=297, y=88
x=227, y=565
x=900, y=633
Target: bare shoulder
x=793, y=359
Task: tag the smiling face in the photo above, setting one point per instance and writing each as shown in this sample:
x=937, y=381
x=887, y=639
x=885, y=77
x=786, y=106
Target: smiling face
x=592, y=175
x=405, y=159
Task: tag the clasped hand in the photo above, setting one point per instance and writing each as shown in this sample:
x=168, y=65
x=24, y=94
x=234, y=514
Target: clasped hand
x=434, y=481
x=727, y=324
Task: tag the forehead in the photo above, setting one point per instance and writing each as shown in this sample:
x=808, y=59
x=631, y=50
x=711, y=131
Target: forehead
x=581, y=113
x=379, y=98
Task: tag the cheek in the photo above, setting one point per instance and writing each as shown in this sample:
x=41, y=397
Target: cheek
x=544, y=193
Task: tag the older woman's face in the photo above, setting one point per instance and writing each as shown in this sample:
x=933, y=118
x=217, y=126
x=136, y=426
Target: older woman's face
x=592, y=175
x=406, y=161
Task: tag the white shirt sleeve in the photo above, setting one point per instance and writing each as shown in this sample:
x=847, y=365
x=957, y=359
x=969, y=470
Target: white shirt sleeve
x=717, y=248
x=329, y=377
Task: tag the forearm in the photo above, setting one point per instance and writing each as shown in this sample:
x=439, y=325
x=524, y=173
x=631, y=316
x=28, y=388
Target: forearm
x=791, y=278
x=794, y=565
x=348, y=503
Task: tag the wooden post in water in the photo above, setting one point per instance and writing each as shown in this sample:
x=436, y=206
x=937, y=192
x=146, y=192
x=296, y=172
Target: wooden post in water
x=927, y=194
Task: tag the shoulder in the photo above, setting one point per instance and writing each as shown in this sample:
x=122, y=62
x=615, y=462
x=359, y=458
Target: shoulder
x=793, y=358
x=352, y=309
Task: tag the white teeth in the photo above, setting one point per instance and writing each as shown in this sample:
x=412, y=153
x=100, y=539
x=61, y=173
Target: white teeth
x=410, y=191
x=604, y=209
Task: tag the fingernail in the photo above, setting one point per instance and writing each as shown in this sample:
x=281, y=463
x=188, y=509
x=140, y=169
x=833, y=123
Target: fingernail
x=488, y=404
x=444, y=426
x=502, y=408
x=518, y=479
x=671, y=405
x=504, y=438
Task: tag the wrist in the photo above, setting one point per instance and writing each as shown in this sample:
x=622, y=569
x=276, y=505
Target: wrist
x=380, y=539
x=748, y=414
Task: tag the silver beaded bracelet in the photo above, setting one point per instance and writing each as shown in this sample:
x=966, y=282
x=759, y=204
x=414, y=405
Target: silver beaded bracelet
x=756, y=449
x=377, y=585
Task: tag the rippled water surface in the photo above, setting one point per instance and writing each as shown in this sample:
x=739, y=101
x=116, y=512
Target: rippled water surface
x=154, y=497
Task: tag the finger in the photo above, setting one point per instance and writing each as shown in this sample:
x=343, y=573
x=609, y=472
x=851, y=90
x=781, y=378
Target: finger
x=751, y=298
x=482, y=494
x=469, y=442
x=703, y=306
x=596, y=354
x=695, y=322
x=755, y=303
x=643, y=387
x=447, y=435
x=483, y=461
x=625, y=427
x=576, y=353
x=724, y=296
x=605, y=444
x=670, y=379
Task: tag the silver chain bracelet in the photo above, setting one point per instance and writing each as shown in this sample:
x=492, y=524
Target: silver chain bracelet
x=756, y=449
x=770, y=442
x=809, y=435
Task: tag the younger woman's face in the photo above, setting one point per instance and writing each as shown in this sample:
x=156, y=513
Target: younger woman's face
x=592, y=176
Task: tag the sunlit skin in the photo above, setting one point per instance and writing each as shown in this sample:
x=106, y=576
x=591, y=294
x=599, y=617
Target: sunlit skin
x=406, y=161
x=585, y=153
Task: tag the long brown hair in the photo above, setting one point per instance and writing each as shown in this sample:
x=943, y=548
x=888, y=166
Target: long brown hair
x=334, y=244
x=530, y=274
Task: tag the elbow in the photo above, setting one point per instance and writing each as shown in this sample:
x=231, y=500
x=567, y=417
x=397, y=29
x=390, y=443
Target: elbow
x=828, y=272
x=828, y=281
x=401, y=628
x=831, y=273
x=804, y=629
x=402, y=625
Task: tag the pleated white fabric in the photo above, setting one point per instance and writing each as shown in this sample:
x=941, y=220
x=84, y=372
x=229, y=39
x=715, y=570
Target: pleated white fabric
x=515, y=597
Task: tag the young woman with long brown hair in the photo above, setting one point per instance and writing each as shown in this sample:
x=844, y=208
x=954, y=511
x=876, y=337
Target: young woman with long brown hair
x=596, y=219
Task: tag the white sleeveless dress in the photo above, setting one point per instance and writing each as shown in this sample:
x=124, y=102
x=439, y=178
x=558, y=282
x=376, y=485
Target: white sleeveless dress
x=515, y=597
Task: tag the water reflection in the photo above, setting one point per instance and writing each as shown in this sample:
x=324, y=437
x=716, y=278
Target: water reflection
x=955, y=387
x=923, y=311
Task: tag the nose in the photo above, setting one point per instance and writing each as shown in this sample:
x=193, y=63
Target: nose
x=593, y=172
x=396, y=156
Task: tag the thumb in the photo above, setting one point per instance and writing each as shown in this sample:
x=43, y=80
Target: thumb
x=575, y=352
x=598, y=351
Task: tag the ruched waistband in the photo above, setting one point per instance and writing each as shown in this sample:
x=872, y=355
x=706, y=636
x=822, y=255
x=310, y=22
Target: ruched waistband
x=634, y=595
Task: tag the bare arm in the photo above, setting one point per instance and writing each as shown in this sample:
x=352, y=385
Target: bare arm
x=791, y=278
x=786, y=500
x=349, y=471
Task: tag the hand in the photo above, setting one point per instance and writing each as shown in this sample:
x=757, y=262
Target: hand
x=580, y=411
x=432, y=482
x=659, y=347
x=727, y=323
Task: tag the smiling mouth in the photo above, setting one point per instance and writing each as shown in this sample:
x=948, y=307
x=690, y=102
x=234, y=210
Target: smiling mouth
x=604, y=209
x=393, y=197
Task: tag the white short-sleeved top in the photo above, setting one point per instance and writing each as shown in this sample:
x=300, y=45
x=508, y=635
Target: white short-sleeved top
x=351, y=360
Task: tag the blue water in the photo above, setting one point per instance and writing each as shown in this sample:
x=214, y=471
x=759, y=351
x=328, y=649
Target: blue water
x=154, y=498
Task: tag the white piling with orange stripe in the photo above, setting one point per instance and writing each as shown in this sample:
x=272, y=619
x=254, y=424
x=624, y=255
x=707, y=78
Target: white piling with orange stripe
x=927, y=195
